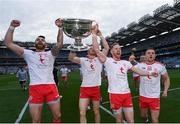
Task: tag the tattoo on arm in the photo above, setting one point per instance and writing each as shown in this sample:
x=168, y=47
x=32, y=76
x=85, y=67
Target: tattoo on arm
x=55, y=50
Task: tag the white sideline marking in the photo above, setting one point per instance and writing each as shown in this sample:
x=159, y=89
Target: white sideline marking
x=9, y=89
x=106, y=110
x=22, y=113
x=105, y=102
x=174, y=89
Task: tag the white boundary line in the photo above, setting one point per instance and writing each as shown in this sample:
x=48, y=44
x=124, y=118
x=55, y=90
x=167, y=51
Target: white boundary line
x=22, y=112
x=9, y=89
x=106, y=110
x=110, y=113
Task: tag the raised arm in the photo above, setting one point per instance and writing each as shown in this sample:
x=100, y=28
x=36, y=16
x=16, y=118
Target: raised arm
x=101, y=56
x=73, y=58
x=8, y=40
x=166, y=82
x=56, y=48
x=105, y=49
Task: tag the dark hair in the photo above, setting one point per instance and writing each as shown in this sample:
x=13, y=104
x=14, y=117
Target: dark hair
x=151, y=48
x=114, y=44
x=42, y=36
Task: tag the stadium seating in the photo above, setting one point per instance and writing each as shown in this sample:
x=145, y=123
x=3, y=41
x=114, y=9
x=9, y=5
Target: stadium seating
x=160, y=31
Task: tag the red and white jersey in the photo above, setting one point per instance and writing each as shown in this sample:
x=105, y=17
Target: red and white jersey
x=150, y=85
x=117, y=75
x=91, y=72
x=40, y=65
x=64, y=71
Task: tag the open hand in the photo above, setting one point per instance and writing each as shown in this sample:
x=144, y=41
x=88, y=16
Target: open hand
x=155, y=74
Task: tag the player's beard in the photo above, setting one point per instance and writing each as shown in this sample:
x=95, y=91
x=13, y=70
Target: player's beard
x=93, y=54
x=117, y=55
x=40, y=46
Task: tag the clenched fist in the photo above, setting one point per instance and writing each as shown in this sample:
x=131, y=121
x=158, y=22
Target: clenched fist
x=59, y=22
x=94, y=27
x=15, y=23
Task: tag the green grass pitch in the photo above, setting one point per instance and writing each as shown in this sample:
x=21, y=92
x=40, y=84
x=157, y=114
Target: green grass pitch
x=13, y=98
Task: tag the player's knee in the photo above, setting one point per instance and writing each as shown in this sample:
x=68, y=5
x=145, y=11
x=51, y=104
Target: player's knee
x=82, y=113
x=155, y=120
x=96, y=111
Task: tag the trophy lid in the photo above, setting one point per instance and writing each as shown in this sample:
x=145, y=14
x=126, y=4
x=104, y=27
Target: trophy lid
x=71, y=20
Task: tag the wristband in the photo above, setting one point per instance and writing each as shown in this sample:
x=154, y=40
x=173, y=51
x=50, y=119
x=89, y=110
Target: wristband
x=60, y=28
x=11, y=28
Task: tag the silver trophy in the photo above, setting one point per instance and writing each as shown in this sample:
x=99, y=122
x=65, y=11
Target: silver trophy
x=77, y=29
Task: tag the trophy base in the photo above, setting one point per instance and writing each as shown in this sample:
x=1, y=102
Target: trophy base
x=73, y=47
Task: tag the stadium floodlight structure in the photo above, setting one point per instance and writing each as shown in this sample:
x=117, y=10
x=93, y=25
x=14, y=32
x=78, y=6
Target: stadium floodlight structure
x=132, y=24
x=107, y=37
x=110, y=39
x=121, y=30
x=113, y=34
x=124, y=31
x=176, y=1
x=165, y=19
x=121, y=33
x=161, y=9
x=166, y=14
x=177, y=4
x=135, y=26
x=149, y=20
x=130, y=28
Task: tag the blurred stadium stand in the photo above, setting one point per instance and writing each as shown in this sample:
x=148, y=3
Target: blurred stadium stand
x=10, y=62
x=160, y=31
